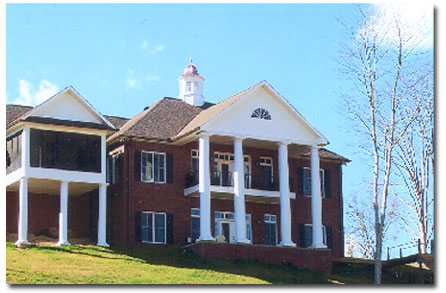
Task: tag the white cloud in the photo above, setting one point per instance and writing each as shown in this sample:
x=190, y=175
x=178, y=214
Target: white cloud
x=27, y=96
x=416, y=23
x=144, y=45
x=152, y=50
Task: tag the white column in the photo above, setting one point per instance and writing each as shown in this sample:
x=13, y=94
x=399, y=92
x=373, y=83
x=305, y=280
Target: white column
x=239, y=193
x=316, y=201
x=63, y=215
x=284, y=185
x=102, y=219
x=204, y=188
x=23, y=213
x=104, y=157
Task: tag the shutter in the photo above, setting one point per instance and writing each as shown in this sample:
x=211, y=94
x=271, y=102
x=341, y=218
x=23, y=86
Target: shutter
x=327, y=183
x=138, y=227
x=169, y=228
x=137, y=164
x=109, y=169
x=169, y=168
x=329, y=237
x=301, y=235
x=300, y=180
x=119, y=165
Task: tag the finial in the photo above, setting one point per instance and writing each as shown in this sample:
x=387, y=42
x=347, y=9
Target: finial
x=190, y=60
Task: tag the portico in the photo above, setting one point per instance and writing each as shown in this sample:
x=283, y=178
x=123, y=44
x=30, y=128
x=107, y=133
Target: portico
x=55, y=155
x=237, y=190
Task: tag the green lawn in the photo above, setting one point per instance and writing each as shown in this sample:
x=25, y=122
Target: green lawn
x=152, y=265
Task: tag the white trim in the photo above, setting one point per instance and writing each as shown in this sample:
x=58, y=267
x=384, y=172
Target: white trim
x=230, y=190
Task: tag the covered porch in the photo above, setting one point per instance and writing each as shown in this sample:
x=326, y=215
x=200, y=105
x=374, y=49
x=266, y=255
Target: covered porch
x=231, y=174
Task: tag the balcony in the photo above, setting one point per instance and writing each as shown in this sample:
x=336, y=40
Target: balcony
x=257, y=188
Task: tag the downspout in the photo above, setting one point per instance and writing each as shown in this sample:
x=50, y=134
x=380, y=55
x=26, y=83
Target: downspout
x=341, y=209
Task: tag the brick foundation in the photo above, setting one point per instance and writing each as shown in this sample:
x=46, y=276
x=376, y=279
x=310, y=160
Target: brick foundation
x=314, y=259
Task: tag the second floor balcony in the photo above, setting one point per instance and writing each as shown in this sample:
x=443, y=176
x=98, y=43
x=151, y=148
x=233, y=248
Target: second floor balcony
x=257, y=187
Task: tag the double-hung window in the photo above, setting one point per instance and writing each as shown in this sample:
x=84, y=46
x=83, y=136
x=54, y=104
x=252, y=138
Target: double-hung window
x=153, y=167
x=153, y=227
x=307, y=181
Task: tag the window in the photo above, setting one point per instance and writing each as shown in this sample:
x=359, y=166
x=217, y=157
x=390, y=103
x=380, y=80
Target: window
x=65, y=150
x=266, y=173
x=13, y=152
x=307, y=181
x=114, y=166
x=195, y=224
x=306, y=235
x=153, y=227
x=188, y=86
x=270, y=230
x=153, y=167
x=195, y=161
x=261, y=113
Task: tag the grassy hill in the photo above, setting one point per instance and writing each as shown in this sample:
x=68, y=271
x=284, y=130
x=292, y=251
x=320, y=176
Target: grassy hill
x=154, y=265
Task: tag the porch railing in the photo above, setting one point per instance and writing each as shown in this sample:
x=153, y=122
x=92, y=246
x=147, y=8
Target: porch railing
x=218, y=178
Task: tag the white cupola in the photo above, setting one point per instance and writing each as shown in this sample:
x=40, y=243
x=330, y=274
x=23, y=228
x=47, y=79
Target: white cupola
x=191, y=86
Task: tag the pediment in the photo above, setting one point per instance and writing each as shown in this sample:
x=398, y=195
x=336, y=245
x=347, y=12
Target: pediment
x=71, y=106
x=263, y=114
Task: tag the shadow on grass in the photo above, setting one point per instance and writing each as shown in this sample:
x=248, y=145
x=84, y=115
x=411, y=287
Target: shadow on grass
x=183, y=258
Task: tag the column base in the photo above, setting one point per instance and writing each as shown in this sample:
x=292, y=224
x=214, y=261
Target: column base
x=318, y=245
x=104, y=244
x=243, y=241
x=63, y=243
x=22, y=243
x=206, y=239
x=287, y=244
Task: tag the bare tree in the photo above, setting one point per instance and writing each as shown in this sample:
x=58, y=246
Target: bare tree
x=415, y=157
x=379, y=60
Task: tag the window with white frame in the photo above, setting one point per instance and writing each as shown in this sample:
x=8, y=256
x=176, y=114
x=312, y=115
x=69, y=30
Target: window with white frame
x=307, y=181
x=153, y=227
x=153, y=167
x=270, y=229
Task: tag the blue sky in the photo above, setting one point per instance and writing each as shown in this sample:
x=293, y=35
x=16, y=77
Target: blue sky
x=125, y=57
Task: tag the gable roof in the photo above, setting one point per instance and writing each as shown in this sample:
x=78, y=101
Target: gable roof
x=161, y=121
x=212, y=112
x=209, y=113
x=18, y=113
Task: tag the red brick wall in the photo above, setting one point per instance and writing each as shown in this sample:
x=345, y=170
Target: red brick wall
x=131, y=196
x=315, y=259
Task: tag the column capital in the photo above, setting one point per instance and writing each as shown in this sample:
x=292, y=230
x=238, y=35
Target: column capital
x=284, y=143
x=316, y=146
x=238, y=138
x=203, y=135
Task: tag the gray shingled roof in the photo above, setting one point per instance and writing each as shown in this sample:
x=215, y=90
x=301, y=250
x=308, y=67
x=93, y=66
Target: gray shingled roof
x=161, y=121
